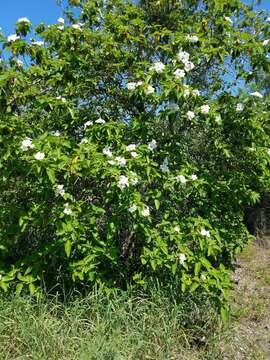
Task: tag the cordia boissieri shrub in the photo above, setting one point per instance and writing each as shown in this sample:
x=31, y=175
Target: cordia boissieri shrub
x=126, y=153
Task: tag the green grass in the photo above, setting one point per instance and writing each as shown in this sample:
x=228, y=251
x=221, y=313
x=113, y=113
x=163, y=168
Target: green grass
x=139, y=326
x=126, y=327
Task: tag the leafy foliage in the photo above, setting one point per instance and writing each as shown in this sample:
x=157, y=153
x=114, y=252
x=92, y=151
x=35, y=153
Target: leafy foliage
x=115, y=168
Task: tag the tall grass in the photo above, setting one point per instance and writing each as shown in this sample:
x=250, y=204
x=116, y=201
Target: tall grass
x=126, y=326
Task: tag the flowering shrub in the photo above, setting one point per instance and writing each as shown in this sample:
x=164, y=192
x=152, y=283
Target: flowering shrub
x=120, y=159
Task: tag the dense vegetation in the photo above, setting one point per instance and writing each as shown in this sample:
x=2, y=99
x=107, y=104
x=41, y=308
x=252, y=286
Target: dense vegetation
x=126, y=153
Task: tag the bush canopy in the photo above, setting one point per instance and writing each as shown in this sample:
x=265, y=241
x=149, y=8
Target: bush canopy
x=132, y=139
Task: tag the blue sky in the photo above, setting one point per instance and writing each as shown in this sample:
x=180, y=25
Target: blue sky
x=43, y=10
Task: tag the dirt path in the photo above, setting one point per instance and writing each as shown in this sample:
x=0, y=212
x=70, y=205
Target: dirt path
x=249, y=337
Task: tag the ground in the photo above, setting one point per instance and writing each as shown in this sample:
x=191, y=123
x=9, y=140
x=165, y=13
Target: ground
x=250, y=338
x=139, y=328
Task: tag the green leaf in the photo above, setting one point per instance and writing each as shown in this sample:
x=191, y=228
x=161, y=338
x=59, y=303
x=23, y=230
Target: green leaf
x=68, y=248
x=51, y=175
x=157, y=204
x=224, y=312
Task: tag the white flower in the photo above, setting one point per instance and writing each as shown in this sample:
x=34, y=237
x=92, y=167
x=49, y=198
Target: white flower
x=182, y=258
x=228, y=19
x=194, y=177
x=131, y=85
x=268, y=152
x=146, y=211
x=189, y=66
x=183, y=56
x=205, y=109
x=131, y=147
x=67, y=210
x=149, y=90
x=164, y=166
x=100, y=121
x=121, y=161
x=266, y=42
x=123, y=182
x=87, y=124
x=181, y=179
x=152, y=145
x=257, y=94
x=195, y=92
x=205, y=232
x=84, y=141
x=38, y=43
x=60, y=190
x=61, y=20
x=158, y=67
x=192, y=38
x=27, y=144
x=13, y=37
x=268, y=19
x=76, y=26
x=179, y=73
x=133, y=154
x=56, y=133
x=111, y=162
x=134, y=85
x=190, y=115
x=132, y=208
x=177, y=229
x=19, y=62
x=240, y=107
x=60, y=27
x=24, y=20
x=39, y=156
x=107, y=152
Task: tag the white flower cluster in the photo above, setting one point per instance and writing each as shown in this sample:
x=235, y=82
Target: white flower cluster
x=124, y=181
x=205, y=109
x=38, y=43
x=13, y=37
x=59, y=190
x=205, y=232
x=90, y=123
x=67, y=209
x=182, y=258
x=77, y=26
x=27, y=144
x=39, y=156
x=192, y=38
x=131, y=149
x=240, y=107
x=24, y=20
x=158, y=67
x=152, y=145
x=257, y=94
x=179, y=74
x=183, y=56
x=183, y=180
x=149, y=90
x=133, y=85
